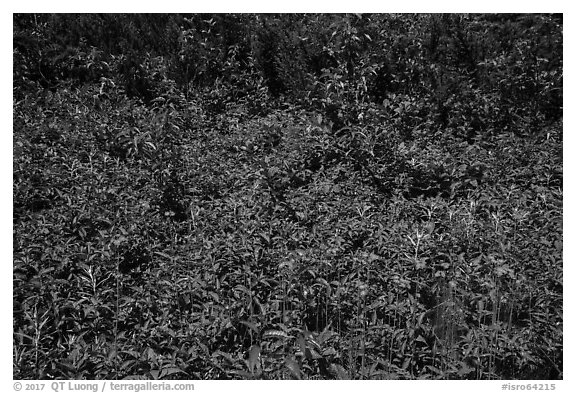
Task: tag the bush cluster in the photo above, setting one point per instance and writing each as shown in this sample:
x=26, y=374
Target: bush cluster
x=287, y=196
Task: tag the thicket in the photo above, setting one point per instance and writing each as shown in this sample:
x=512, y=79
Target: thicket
x=287, y=196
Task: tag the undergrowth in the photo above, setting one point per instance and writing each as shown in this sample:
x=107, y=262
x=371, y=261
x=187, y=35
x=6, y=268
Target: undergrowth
x=196, y=235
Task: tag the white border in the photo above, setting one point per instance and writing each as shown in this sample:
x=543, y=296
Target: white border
x=298, y=6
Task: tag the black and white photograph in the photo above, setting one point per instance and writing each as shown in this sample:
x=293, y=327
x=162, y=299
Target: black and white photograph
x=287, y=196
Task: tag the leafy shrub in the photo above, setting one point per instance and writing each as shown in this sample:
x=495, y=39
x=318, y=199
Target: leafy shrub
x=303, y=196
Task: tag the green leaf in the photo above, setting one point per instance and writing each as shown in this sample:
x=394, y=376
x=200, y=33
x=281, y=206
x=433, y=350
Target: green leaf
x=293, y=367
x=251, y=325
x=163, y=255
x=253, y=357
x=340, y=371
x=171, y=370
x=275, y=334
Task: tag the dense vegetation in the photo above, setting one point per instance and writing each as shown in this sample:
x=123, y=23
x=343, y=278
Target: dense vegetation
x=287, y=196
